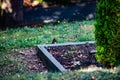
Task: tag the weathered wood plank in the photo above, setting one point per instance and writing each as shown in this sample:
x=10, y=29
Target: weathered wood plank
x=51, y=63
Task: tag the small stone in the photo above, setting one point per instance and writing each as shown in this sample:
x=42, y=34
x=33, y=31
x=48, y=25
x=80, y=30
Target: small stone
x=22, y=53
x=93, y=51
x=93, y=78
x=35, y=60
x=100, y=68
x=18, y=75
x=76, y=63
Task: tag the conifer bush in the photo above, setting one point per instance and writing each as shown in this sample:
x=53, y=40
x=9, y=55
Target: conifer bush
x=107, y=32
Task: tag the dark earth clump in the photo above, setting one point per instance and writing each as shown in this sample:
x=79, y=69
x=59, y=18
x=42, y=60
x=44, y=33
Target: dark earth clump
x=74, y=56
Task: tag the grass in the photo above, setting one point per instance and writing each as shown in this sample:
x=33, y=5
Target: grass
x=27, y=37
x=12, y=40
x=9, y=66
x=103, y=74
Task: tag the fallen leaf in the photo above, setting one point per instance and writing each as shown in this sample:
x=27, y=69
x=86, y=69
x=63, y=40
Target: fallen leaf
x=33, y=67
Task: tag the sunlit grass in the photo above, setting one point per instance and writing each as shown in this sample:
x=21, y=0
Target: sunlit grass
x=102, y=74
x=64, y=32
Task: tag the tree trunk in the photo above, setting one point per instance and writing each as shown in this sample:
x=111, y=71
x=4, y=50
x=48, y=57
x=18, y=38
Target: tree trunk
x=12, y=13
x=17, y=6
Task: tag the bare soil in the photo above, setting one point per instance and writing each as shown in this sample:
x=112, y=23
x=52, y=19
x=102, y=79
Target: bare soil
x=74, y=56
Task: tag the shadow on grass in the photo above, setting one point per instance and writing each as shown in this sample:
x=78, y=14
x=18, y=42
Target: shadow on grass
x=56, y=14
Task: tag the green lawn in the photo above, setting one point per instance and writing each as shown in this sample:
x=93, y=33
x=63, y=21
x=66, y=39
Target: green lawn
x=64, y=32
x=27, y=37
x=98, y=74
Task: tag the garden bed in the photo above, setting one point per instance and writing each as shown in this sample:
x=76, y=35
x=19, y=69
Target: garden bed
x=68, y=56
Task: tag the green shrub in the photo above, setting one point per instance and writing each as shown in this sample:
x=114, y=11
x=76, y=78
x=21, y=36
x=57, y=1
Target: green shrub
x=107, y=32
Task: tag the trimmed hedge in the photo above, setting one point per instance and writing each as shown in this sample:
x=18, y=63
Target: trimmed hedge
x=107, y=32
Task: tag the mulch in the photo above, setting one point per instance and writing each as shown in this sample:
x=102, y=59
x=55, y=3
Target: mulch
x=74, y=57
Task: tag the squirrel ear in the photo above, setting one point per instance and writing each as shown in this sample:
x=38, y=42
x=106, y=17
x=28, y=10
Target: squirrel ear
x=54, y=41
